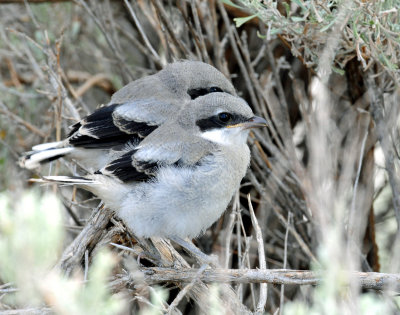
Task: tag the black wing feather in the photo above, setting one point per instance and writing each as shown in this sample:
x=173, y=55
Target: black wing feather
x=107, y=132
x=127, y=169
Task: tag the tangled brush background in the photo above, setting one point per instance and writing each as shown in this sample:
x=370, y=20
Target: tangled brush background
x=322, y=193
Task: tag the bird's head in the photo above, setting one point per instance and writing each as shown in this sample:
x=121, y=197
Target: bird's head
x=222, y=118
x=193, y=79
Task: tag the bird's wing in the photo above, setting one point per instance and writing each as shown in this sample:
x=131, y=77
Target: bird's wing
x=161, y=149
x=118, y=124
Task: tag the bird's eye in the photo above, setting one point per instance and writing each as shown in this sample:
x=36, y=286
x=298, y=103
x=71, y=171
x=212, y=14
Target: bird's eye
x=224, y=117
x=214, y=89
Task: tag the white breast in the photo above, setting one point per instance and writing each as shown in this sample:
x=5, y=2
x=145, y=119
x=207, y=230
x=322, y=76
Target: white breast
x=183, y=201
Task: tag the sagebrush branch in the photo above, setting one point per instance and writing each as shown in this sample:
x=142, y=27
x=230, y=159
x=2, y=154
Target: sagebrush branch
x=367, y=280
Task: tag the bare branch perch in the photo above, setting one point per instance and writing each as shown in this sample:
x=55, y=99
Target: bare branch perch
x=367, y=280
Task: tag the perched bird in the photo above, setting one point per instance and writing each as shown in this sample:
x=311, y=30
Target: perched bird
x=176, y=173
x=133, y=112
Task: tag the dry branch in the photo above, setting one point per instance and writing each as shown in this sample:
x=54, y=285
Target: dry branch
x=367, y=280
x=4, y=110
x=384, y=136
x=75, y=252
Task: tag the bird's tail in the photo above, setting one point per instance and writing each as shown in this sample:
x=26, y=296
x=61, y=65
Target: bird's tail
x=66, y=180
x=44, y=153
x=108, y=189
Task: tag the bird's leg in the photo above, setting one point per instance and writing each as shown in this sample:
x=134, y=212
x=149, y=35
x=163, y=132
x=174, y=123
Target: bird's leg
x=196, y=253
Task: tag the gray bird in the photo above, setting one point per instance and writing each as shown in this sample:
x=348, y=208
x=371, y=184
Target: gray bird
x=177, y=175
x=133, y=112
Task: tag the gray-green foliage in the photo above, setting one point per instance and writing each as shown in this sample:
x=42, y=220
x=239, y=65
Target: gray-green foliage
x=31, y=239
x=370, y=30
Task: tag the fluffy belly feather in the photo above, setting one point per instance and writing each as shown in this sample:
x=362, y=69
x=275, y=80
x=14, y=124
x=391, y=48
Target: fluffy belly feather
x=183, y=201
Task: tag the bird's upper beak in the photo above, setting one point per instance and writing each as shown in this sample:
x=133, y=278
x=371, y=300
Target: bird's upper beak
x=253, y=122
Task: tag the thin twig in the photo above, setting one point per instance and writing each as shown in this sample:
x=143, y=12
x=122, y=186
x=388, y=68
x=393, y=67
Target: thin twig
x=229, y=231
x=142, y=32
x=377, y=105
x=289, y=220
x=74, y=253
x=166, y=21
x=19, y=120
x=185, y=290
x=261, y=258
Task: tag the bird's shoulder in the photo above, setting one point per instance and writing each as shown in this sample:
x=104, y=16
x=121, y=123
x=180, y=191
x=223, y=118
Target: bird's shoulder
x=168, y=146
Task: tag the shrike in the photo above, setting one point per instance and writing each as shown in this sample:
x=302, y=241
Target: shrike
x=167, y=163
x=133, y=112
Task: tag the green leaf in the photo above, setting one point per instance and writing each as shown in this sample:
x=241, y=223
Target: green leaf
x=338, y=70
x=240, y=21
x=275, y=31
x=297, y=19
x=327, y=27
x=364, y=37
x=259, y=35
x=300, y=4
x=287, y=8
x=387, y=62
x=230, y=3
x=355, y=32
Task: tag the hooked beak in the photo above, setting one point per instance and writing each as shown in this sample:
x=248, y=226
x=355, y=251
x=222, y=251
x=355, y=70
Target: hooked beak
x=253, y=122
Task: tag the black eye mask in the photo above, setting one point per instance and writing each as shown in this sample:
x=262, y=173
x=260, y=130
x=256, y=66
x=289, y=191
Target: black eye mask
x=221, y=120
x=195, y=93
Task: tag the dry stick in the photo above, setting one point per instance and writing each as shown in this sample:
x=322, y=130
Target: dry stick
x=245, y=255
x=201, y=52
x=199, y=292
x=121, y=62
x=57, y=85
x=165, y=20
x=19, y=120
x=29, y=310
x=193, y=251
x=142, y=33
x=59, y=105
x=31, y=1
x=13, y=73
x=136, y=43
x=367, y=280
x=239, y=290
x=244, y=49
x=229, y=232
x=184, y=291
x=91, y=81
x=85, y=274
x=261, y=258
x=202, y=43
x=285, y=262
x=384, y=136
x=248, y=265
x=260, y=55
x=286, y=128
x=74, y=253
x=242, y=44
x=71, y=89
x=217, y=43
x=230, y=30
x=287, y=136
x=296, y=235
